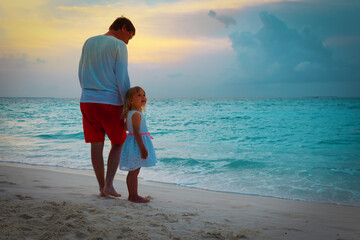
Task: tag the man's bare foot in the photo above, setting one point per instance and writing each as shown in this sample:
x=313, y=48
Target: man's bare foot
x=109, y=192
x=138, y=199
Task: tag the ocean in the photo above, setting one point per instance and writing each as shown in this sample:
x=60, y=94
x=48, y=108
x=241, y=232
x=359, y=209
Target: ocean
x=304, y=149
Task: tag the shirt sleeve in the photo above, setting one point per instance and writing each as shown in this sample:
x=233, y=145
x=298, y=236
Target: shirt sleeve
x=121, y=71
x=81, y=66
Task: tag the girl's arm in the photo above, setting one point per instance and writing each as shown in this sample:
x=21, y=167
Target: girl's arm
x=136, y=118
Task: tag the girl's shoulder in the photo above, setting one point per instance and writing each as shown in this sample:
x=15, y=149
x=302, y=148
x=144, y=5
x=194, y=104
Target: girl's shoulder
x=131, y=113
x=134, y=111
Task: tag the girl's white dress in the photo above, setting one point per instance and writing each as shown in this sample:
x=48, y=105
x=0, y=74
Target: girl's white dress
x=130, y=154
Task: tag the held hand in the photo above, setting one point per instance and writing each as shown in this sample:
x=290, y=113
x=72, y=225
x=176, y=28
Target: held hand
x=144, y=153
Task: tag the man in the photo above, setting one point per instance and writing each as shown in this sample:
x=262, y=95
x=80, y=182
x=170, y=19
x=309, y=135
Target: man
x=104, y=79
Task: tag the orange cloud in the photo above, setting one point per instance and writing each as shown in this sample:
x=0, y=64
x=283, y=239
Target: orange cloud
x=43, y=29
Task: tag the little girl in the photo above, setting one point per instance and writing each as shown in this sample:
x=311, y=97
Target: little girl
x=138, y=150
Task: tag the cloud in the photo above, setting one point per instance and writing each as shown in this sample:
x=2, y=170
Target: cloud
x=279, y=53
x=305, y=66
x=39, y=60
x=18, y=60
x=227, y=20
x=157, y=2
x=175, y=75
x=178, y=44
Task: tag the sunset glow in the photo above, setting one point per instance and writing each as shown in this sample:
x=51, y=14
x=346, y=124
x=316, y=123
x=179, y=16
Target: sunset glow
x=239, y=48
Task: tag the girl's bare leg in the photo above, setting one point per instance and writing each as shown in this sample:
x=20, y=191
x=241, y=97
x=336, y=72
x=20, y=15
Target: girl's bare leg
x=132, y=184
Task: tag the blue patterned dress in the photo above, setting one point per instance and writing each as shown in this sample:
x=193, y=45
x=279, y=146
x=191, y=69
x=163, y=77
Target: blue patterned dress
x=130, y=154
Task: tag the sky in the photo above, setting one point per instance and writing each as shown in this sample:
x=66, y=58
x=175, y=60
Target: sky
x=188, y=48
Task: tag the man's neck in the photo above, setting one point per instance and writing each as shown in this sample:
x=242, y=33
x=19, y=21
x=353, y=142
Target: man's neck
x=111, y=33
x=116, y=34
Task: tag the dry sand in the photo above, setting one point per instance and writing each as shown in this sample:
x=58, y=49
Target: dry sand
x=56, y=203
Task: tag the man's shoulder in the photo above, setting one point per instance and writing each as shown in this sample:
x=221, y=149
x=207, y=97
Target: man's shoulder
x=104, y=39
x=96, y=38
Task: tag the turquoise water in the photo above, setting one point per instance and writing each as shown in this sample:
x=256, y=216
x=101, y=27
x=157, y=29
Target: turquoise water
x=305, y=149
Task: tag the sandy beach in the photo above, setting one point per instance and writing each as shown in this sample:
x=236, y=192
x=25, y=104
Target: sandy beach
x=57, y=203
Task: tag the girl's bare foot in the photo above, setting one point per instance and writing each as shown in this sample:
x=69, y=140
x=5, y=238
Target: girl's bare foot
x=138, y=199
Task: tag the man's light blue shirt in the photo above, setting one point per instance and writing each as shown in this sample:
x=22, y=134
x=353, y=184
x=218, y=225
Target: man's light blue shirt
x=103, y=70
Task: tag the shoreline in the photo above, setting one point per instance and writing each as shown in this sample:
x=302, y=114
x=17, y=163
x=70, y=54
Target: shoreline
x=42, y=201
x=89, y=172
x=252, y=195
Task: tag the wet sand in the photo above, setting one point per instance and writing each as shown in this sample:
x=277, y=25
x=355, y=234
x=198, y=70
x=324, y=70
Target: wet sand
x=57, y=203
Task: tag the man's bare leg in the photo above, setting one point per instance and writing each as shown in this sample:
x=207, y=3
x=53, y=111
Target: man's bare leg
x=98, y=163
x=112, y=166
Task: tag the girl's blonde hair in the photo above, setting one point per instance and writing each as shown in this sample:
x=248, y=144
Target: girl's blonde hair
x=127, y=105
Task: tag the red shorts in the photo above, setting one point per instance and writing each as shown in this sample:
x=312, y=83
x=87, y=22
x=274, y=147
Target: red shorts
x=100, y=119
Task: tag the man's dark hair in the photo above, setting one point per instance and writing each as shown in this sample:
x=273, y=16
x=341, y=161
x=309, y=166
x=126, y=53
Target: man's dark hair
x=120, y=22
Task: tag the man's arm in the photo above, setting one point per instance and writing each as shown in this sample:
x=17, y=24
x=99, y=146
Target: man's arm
x=121, y=71
x=81, y=66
